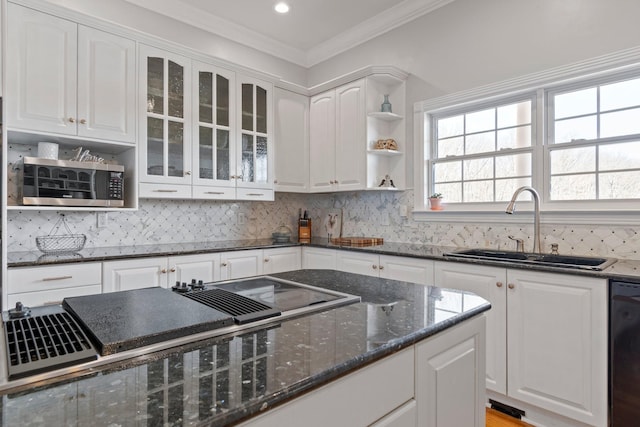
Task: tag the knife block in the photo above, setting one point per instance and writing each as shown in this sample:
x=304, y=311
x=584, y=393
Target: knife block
x=304, y=230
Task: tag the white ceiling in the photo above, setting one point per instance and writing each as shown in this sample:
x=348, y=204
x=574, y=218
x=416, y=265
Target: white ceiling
x=312, y=31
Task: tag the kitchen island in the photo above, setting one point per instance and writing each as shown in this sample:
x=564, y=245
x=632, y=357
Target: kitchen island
x=393, y=347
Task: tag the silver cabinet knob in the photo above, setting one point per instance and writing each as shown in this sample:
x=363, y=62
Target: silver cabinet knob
x=511, y=286
x=83, y=121
x=381, y=267
x=72, y=120
x=499, y=284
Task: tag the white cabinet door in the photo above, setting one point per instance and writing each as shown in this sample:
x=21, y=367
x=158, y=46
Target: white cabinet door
x=277, y=260
x=557, y=343
x=106, y=86
x=41, y=82
x=448, y=369
x=254, y=155
x=214, y=132
x=165, y=123
x=350, y=138
x=291, y=141
x=186, y=268
x=318, y=258
x=490, y=284
x=134, y=274
x=412, y=270
x=322, y=137
x=239, y=264
x=358, y=262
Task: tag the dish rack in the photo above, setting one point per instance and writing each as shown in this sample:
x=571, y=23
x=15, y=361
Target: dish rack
x=56, y=243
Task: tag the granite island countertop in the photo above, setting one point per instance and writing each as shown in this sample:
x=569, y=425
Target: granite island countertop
x=623, y=269
x=223, y=380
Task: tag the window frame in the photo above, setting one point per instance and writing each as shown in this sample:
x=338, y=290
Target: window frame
x=599, y=70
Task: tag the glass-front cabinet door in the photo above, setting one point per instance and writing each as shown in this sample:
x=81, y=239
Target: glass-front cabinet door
x=165, y=150
x=214, y=154
x=254, y=165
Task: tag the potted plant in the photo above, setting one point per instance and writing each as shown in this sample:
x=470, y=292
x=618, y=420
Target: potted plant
x=435, y=201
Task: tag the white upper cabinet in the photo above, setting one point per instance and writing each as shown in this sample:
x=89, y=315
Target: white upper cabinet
x=291, y=141
x=214, y=132
x=338, y=139
x=165, y=128
x=254, y=155
x=68, y=79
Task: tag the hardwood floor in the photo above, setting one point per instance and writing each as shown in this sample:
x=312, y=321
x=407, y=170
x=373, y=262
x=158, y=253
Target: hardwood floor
x=498, y=419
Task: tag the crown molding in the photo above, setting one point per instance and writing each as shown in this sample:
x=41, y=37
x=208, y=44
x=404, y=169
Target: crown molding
x=382, y=23
x=386, y=21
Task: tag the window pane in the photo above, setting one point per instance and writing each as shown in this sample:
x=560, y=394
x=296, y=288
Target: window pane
x=620, y=156
x=205, y=97
x=450, y=126
x=515, y=137
x=222, y=155
x=573, y=187
x=447, y=171
x=480, y=121
x=478, y=191
x=573, y=160
x=247, y=106
x=451, y=192
x=261, y=109
x=205, y=158
x=155, y=146
x=222, y=100
x=620, y=95
x=176, y=89
x=574, y=129
x=514, y=114
x=176, y=149
x=516, y=165
x=480, y=143
x=577, y=103
x=155, y=85
x=619, y=185
x=620, y=123
x=506, y=187
x=450, y=147
x=478, y=169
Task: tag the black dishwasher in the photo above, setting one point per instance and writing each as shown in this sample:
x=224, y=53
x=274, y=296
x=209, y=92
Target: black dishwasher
x=624, y=354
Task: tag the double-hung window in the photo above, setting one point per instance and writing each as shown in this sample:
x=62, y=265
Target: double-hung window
x=578, y=144
x=483, y=154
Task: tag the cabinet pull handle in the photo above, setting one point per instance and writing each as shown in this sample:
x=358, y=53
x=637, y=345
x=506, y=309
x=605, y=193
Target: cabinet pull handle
x=375, y=267
x=214, y=192
x=72, y=120
x=187, y=173
x=224, y=264
x=266, y=260
x=173, y=270
x=511, y=286
x=49, y=279
x=255, y=194
x=499, y=284
x=381, y=267
x=52, y=303
x=336, y=182
x=83, y=121
x=275, y=181
x=163, y=271
x=165, y=191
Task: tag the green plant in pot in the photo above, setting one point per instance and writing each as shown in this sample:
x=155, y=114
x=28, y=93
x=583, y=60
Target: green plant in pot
x=435, y=201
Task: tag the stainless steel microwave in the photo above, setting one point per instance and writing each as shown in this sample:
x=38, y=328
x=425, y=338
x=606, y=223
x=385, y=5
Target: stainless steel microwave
x=47, y=182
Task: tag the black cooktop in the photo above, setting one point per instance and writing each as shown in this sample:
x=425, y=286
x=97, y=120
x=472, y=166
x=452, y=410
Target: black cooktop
x=125, y=320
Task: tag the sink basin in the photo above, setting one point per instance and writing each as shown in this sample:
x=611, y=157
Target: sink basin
x=566, y=261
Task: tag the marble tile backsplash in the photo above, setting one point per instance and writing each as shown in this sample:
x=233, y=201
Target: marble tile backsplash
x=373, y=214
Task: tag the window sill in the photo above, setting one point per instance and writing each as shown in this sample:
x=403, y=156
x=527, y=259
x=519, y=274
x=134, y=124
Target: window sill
x=595, y=217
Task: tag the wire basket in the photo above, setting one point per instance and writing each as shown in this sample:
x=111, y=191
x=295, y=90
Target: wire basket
x=55, y=243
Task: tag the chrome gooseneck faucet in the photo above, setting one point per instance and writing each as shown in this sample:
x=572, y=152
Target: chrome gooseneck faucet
x=536, y=219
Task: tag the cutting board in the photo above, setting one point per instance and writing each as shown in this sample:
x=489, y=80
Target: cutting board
x=358, y=241
x=120, y=321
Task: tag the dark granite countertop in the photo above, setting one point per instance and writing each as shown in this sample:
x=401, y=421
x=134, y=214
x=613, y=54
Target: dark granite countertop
x=622, y=269
x=223, y=380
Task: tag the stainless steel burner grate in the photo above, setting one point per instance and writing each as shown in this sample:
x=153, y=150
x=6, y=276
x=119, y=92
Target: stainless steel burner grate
x=243, y=309
x=41, y=343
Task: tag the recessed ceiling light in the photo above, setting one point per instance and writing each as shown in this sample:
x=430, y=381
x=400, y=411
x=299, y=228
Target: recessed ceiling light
x=282, y=7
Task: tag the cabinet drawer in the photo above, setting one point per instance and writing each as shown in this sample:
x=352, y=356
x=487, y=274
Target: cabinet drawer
x=51, y=296
x=164, y=191
x=214, y=193
x=254, y=194
x=33, y=279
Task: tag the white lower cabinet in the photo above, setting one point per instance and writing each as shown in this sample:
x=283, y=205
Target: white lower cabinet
x=546, y=337
x=413, y=270
x=236, y=265
x=318, y=258
x=435, y=383
x=278, y=260
x=47, y=285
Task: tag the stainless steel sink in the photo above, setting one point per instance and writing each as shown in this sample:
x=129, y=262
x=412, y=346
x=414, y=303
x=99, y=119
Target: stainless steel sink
x=566, y=261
